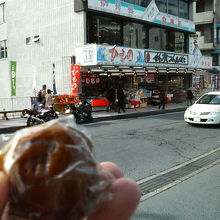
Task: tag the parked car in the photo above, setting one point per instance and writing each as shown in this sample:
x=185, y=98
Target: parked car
x=206, y=110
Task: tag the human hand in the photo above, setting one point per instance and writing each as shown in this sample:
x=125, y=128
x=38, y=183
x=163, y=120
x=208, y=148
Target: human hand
x=125, y=196
x=3, y=192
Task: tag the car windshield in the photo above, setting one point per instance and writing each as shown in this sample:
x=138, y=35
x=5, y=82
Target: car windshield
x=209, y=99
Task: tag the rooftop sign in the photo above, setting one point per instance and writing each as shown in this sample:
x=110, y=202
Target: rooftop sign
x=149, y=14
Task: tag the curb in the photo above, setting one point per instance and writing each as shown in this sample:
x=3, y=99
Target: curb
x=10, y=129
x=138, y=114
x=109, y=118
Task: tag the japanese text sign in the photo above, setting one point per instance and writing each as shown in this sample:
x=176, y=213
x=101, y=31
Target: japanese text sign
x=75, y=78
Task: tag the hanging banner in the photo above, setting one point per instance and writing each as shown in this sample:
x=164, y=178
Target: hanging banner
x=193, y=43
x=75, y=78
x=13, y=77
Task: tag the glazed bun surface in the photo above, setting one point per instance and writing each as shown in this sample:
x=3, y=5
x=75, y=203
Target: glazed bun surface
x=52, y=174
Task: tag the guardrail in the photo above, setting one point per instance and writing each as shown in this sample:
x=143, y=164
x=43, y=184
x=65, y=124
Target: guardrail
x=5, y=113
x=12, y=107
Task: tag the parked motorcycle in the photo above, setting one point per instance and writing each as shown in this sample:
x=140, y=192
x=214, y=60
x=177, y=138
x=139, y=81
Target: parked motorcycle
x=82, y=112
x=35, y=116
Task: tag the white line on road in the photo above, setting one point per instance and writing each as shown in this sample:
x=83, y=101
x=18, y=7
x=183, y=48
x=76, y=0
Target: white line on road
x=181, y=179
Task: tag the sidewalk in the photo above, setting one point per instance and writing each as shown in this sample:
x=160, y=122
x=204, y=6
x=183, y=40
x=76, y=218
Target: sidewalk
x=13, y=124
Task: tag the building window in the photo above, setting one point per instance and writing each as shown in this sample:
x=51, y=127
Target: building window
x=200, y=6
x=36, y=39
x=218, y=35
x=28, y=40
x=134, y=35
x=104, y=30
x=110, y=31
x=184, y=9
x=215, y=60
x=162, y=5
x=3, y=49
x=144, y=3
x=2, y=13
x=157, y=38
x=179, y=42
x=173, y=7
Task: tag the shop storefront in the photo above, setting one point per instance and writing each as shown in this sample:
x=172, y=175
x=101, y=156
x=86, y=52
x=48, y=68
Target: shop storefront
x=141, y=73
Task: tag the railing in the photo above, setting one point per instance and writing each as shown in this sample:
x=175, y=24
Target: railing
x=13, y=104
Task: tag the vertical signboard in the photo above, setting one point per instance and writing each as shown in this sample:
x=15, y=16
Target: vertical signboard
x=193, y=43
x=75, y=78
x=13, y=77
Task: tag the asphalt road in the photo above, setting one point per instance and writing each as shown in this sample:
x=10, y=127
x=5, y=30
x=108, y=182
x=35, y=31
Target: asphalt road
x=198, y=198
x=148, y=145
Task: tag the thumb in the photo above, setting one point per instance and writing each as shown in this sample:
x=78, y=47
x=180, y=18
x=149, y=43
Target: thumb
x=3, y=192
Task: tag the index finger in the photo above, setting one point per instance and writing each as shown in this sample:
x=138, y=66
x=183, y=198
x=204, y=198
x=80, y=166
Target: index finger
x=3, y=191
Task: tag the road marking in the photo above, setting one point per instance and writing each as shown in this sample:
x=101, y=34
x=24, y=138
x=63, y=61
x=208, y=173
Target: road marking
x=175, y=182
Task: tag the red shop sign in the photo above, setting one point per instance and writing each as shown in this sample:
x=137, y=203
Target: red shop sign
x=90, y=78
x=150, y=78
x=75, y=78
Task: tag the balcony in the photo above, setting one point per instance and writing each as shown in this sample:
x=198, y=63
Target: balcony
x=204, y=17
x=204, y=44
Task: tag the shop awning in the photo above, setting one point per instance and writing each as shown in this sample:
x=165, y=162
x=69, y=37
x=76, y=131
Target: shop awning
x=215, y=52
x=132, y=70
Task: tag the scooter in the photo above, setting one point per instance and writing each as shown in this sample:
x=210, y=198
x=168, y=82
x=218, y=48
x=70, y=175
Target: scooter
x=82, y=112
x=36, y=117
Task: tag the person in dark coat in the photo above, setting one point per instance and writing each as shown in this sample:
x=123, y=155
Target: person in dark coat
x=121, y=100
x=189, y=97
x=162, y=97
x=111, y=98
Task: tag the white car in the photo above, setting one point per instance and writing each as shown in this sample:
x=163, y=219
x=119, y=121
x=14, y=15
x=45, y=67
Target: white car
x=206, y=110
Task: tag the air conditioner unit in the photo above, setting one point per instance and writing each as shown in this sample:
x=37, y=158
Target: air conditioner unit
x=36, y=39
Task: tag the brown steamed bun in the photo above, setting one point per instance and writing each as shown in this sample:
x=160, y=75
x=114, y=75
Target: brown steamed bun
x=52, y=173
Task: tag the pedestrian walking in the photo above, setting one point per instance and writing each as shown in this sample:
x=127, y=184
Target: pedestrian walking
x=41, y=96
x=189, y=97
x=111, y=99
x=49, y=98
x=162, y=97
x=121, y=100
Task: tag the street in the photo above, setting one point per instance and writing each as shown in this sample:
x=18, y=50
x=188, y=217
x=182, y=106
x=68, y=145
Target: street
x=148, y=145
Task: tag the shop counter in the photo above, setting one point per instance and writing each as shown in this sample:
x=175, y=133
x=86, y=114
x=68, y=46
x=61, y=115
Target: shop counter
x=99, y=102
